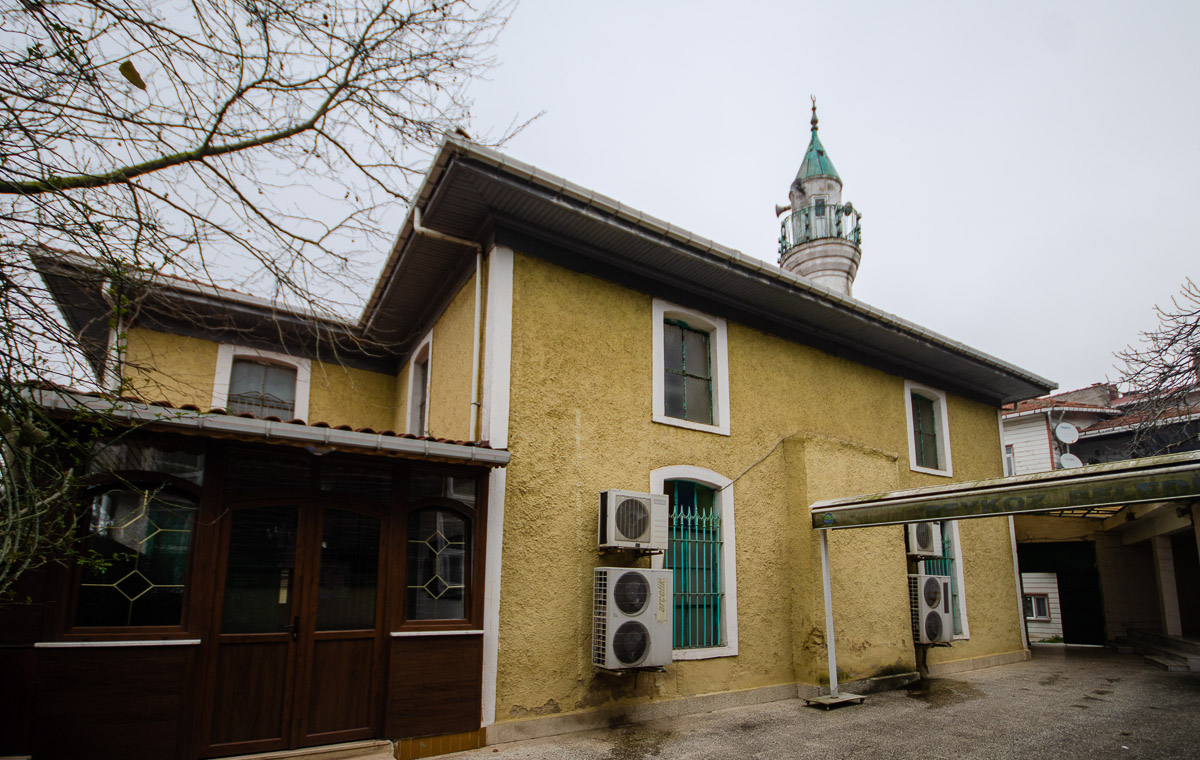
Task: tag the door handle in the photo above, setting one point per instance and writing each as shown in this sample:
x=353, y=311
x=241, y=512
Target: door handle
x=294, y=628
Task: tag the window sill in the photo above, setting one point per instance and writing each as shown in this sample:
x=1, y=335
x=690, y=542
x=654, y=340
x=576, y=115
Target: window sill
x=729, y=650
x=140, y=643
x=677, y=422
x=931, y=471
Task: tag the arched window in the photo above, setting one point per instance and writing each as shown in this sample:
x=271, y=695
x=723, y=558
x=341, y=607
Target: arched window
x=701, y=553
x=439, y=560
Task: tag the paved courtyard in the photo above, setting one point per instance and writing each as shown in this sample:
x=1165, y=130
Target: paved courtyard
x=1067, y=702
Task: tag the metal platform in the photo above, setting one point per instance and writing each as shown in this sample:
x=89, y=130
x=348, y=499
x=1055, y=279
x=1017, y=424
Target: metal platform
x=830, y=701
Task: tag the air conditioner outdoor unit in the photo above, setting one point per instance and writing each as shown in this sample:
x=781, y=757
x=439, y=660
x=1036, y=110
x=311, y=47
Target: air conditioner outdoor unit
x=924, y=539
x=631, y=618
x=632, y=520
x=932, y=619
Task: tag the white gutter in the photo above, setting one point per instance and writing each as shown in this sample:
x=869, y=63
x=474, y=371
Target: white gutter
x=316, y=437
x=1135, y=425
x=1063, y=409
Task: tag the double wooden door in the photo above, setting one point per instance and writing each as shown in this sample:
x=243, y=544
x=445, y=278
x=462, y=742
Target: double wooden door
x=298, y=636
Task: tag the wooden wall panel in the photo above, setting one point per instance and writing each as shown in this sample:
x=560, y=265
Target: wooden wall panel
x=18, y=674
x=435, y=685
x=340, y=695
x=124, y=703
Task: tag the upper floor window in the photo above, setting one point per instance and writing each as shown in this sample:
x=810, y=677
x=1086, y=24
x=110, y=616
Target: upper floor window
x=262, y=389
x=928, y=436
x=1010, y=460
x=418, y=388
x=263, y=383
x=691, y=372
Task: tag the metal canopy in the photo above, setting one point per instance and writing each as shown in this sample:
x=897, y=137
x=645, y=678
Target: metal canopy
x=1097, y=491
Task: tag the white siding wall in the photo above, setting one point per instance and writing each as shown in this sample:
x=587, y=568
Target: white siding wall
x=1030, y=442
x=1043, y=583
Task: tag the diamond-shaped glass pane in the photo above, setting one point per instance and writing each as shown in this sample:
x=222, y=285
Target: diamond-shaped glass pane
x=436, y=587
x=133, y=585
x=437, y=542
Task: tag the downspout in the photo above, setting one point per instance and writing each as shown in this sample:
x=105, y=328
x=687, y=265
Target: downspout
x=475, y=338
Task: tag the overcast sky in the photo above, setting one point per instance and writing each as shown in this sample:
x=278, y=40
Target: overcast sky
x=1027, y=171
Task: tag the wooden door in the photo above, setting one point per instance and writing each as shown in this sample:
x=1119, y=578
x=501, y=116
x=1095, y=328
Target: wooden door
x=298, y=630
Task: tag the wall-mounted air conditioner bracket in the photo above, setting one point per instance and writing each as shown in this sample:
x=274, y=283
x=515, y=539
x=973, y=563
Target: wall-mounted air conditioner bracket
x=629, y=550
x=623, y=671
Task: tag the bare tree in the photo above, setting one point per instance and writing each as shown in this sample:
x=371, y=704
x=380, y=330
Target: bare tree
x=1162, y=376
x=271, y=143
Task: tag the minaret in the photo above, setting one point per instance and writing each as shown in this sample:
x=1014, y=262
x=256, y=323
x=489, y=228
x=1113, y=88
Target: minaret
x=820, y=236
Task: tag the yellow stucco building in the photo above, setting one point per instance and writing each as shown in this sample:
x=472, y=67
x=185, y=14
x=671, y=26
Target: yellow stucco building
x=597, y=348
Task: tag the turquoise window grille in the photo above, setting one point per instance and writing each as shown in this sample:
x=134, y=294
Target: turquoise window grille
x=687, y=364
x=925, y=432
x=694, y=554
x=947, y=565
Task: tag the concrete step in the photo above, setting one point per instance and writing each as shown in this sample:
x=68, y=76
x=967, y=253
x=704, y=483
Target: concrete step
x=1187, y=658
x=372, y=749
x=1177, y=643
x=1172, y=664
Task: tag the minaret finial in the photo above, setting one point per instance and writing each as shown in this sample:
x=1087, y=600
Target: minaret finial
x=814, y=117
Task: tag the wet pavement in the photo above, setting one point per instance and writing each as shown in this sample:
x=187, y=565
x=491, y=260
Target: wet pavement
x=1068, y=702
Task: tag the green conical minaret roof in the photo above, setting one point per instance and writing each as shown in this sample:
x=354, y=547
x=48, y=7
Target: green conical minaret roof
x=816, y=162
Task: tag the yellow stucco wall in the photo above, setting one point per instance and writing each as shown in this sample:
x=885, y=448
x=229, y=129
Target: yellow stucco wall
x=354, y=397
x=805, y=425
x=161, y=366
x=450, y=368
x=173, y=368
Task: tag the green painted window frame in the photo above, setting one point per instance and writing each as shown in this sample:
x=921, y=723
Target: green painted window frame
x=925, y=431
x=695, y=555
x=700, y=368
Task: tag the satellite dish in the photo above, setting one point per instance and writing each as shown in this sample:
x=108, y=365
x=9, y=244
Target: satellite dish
x=1066, y=432
x=1070, y=462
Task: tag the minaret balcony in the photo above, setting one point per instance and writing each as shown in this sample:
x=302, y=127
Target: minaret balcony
x=819, y=222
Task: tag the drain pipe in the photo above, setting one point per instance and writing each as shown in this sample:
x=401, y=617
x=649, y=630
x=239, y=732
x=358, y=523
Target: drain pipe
x=420, y=229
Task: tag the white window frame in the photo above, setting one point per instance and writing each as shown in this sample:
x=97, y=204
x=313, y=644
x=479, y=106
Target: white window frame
x=1036, y=618
x=941, y=422
x=723, y=500
x=950, y=527
x=423, y=352
x=1010, y=459
x=719, y=353
x=228, y=352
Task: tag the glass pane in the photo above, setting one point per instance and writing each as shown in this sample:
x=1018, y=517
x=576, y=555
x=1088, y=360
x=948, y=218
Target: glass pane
x=372, y=480
x=349, y=569
x=280, y=384
x=673, y=395
x=181, y=460
x=438, y=562
x=695, y=353
x=254, y=469
x=673, y=347
x=144, y=538
x=1028, y=606
x=432, y=485
x=699, y=400
x=260, y=574
x=462, y=489
x=246, y=377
